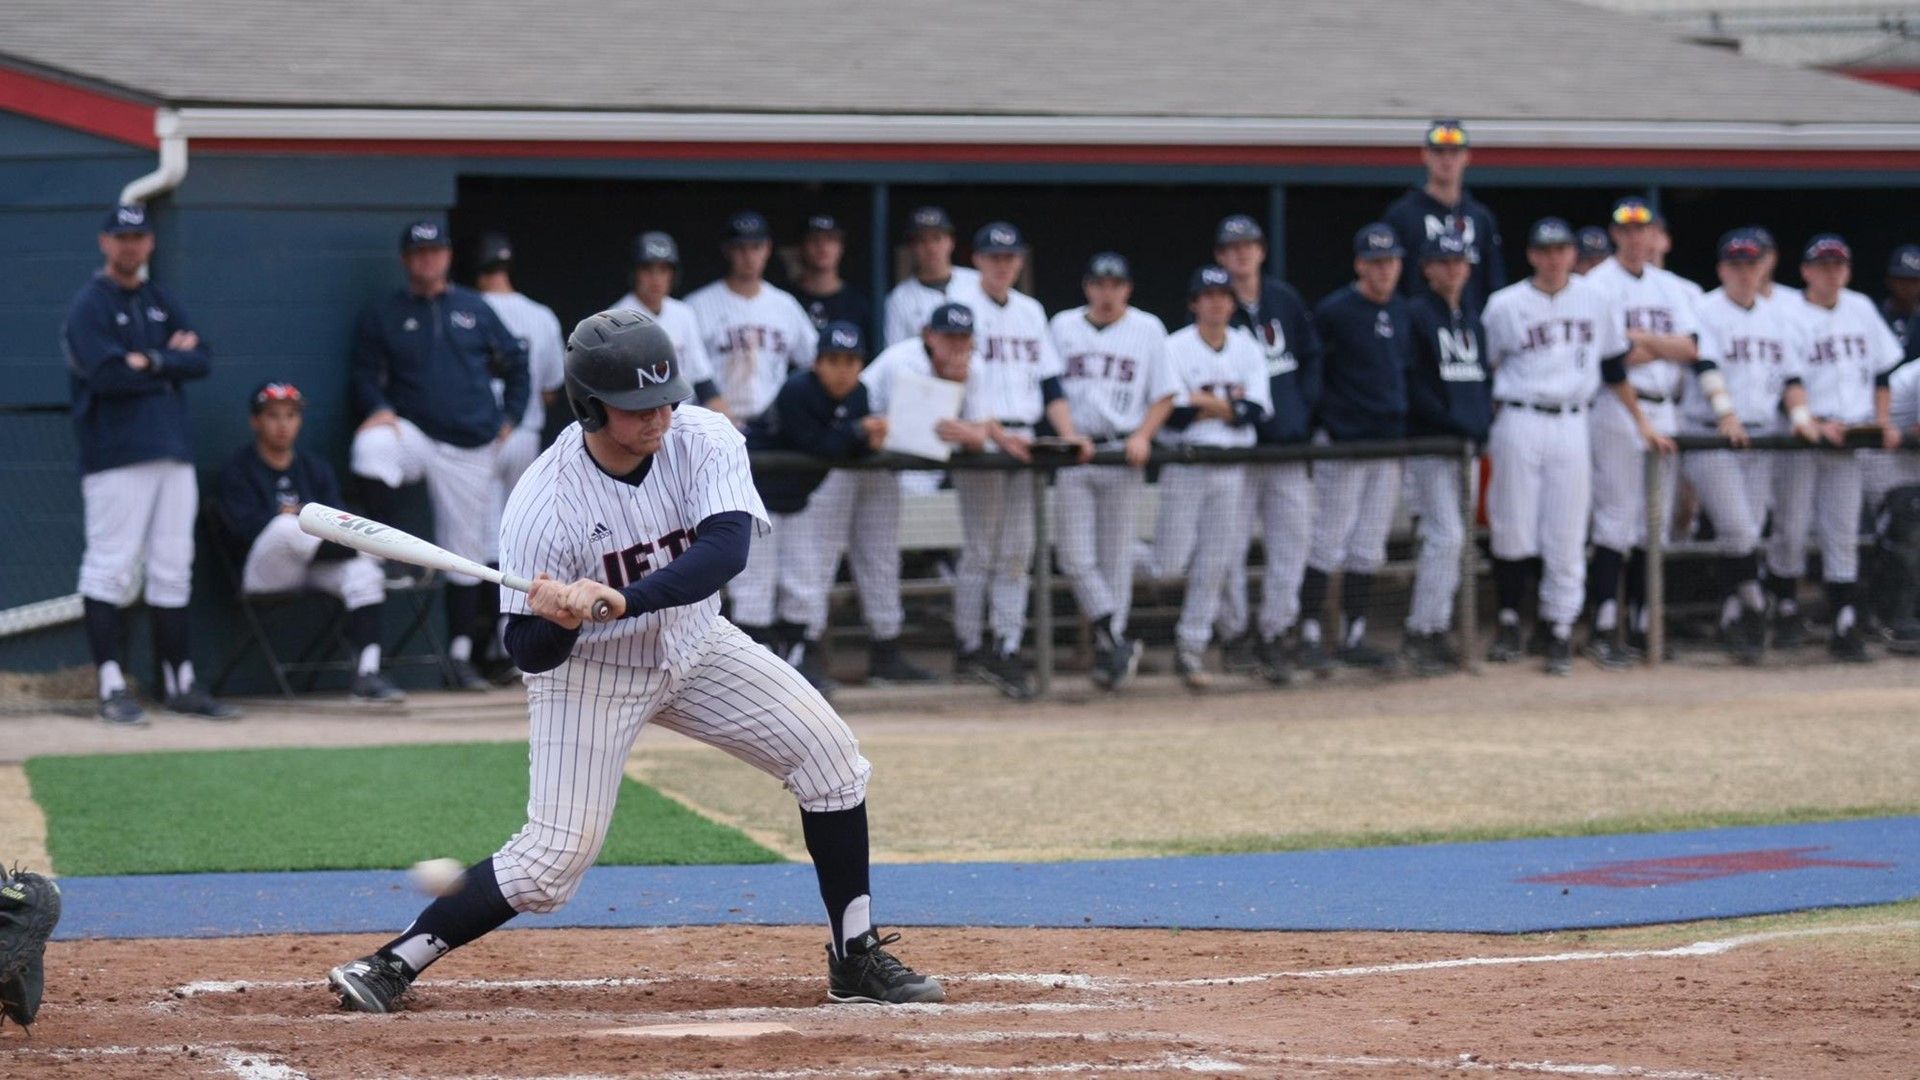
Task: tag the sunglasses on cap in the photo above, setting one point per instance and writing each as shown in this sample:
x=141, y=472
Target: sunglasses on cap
x=1447, y=136
x=1740, y=249
x=279, y=391
x=1633, y=214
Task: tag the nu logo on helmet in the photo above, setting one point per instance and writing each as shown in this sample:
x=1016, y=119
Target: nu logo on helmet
x=660, y=372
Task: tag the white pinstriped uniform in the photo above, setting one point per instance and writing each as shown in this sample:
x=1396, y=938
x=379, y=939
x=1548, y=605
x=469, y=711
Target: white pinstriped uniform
x=1885, y=471
x=684, y=668
x=683, y=329
x=1546, y=351
x=1659, y=302
x=538, y=331
x=1200, y=505
x=753, y=343
x=910, y=304
x=1012, y=354
x=1820, y=491
x=1113, y=373
x=1757, y=350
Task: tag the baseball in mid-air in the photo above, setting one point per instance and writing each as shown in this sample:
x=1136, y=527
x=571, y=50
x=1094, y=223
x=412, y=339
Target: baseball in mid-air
x=437, y=877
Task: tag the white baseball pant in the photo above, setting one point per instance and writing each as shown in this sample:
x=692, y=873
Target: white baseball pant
x=1280, y=497
x=519, y=450
x=460, y=485
x=1620, y=471
x=754, y=592
x=855, y=513
x=281, y=560
x=1096, y=513
x=1816, y=491
x=1356, y=501
x=1539, y=499
x=1734, y=488
x=139, y=515
x=996, y=550
x=1434, y=487
x=1196, y=535
x=730, y=693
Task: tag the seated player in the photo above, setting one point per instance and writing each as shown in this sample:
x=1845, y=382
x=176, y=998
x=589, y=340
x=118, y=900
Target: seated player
x=822, y=412
x=261, y=492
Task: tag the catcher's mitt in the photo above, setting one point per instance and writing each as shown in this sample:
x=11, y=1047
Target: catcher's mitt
x=29, y=908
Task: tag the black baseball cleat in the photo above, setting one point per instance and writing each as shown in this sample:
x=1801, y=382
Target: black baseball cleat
x=888, y=666
x=1506, y=645
x=1192, y=669
x=871, y=974
x=1240, y=655
x=1849, y=648
x=1362, y=655
x=1440, y=648
x=462, y=675
x=1007, y=673
x=1313, y=656
x=1422, y=655
x=193, y=701
x=1789, y=631
x=118, y=709
x=1559, y=656
x=371, y=984
x=1537, y=641
x=1608, y=653
x=1120, y=664
x=969, y=666
x=373, y=688
x=1276, y=662
x=1746, y=639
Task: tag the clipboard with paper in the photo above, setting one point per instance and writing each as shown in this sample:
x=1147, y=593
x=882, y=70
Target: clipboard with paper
x=916, y=404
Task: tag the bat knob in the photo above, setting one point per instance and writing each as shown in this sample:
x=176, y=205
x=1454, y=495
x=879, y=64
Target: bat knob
x=602, y=611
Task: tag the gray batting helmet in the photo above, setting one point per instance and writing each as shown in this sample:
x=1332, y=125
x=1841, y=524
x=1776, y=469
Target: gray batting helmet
x=623, y=359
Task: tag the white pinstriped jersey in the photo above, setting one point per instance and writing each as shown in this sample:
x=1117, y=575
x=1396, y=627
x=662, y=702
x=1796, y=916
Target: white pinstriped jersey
x=911, y=303
x=1012, y=354
x=1546, y=350
x=1112, y=372
x=755, y=343
x=1658, y=302
x=1905, y=386
x=1757, y=349
x=1236, y=370
x=568, y=518
x=538, y=329
x=683, y=329
x=1850, y=346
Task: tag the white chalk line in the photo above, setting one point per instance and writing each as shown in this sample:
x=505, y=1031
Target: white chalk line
x=1051, y=980
x=245, y=1064
x=1166, y=1063
x=251, y=1066
x=1468, y=1063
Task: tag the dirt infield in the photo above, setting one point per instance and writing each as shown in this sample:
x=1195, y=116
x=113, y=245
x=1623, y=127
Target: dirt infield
x=1823, y=995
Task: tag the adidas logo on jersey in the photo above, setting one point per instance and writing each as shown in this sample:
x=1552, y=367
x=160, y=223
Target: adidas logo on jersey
x=600, y=532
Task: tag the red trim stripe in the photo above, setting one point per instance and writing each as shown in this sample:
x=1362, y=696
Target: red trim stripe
x=1904, y=78
x=1057, y=154
x=82, y=110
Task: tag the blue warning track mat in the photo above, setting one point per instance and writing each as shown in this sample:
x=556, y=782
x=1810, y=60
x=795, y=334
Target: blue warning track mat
x=1511, y=886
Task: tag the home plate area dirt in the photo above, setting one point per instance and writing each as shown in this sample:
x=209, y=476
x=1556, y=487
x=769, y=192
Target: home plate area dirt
x=747, y=1003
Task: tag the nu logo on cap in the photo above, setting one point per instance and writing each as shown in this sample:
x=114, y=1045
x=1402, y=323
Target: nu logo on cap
x=131, y=215
x=844, y=340
x=660, y=372
x=425, y=232
x=1000, y=236
x=1380, y=240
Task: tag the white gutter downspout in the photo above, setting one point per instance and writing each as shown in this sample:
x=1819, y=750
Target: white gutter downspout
x=173, y=161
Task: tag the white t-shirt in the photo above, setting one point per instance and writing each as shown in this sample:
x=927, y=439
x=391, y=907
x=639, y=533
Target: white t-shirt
x=1850, y=346
x=755, y=343
x=568, y=518
x=910, y=304
x=683, y=329
x=538, y=330
x=1112, y=372
x=1012, y=355
x=1757, y=349
x=1657, y=302
x=1546, y=350
x=1905, y=385
x=1236, y=370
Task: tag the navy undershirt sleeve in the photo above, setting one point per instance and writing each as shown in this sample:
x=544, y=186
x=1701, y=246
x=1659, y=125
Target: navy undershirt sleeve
x=1613, y=369
x=716, y=556
x=538, y=645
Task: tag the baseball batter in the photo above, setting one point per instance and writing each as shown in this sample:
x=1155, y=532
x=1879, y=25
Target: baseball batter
x=1660, y=323
x=1852, y=356
x=1222, y=398
x=1755, y=363
x=1552, y=340
x=646, y=504
x=656, y=259
x=934, y=278
x=1121, y=392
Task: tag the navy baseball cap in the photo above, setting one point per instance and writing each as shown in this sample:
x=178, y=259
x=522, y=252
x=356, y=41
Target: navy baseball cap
x=1904, y=262
x=746, y=227
x=655, y=247
x=823, y=223
x=1740, y=245
x=1550, y=232
x=951, y=319
x=1827, y=247
x=1631, y=210
x=1592, y=241
x=842, y=336
x=1763, y=237
x=125, y=219
x=1209, y=278
x=998, y=236
x=275, y=390
x=1447, y=135
x=930, y=217
x=1234, y=229
x=1447, y=245
x=422, y=234
x=493, y=250
x=1108, y=266
x=1377, y=241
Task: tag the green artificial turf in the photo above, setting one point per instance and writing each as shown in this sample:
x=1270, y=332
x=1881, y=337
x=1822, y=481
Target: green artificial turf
x=383, y=807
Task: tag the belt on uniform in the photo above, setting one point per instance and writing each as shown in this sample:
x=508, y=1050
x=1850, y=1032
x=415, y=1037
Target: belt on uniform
x=1656, y=399
x=1542, y=407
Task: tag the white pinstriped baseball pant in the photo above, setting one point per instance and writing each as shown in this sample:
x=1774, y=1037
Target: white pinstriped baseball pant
x=1818, y=492
x=1356, y=504
x=1433, y=492
x=1620, y=471
x=1734, y=488
x=730, y=693
x=1280, y=497
x=1096, y=510
x=1195, y=534
x=856, y=513
x=1539, y=500
x=992, y=579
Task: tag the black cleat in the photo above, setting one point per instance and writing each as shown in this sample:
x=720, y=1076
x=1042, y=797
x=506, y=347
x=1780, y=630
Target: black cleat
x=1362, y=655
x=1192, y=669
x=1746, y=639
x=887, y=666
x=118, y=709
x=194, y=701
x=1506, y=645
x=1849, y=648
x=1537, y=641
x=969, y=666
x=1608, y=653
x=462, y=675
x=1789, y=631
x=1559, y=656
x=1007, y=673
x=374, y=689
x=1118, y=665
x=1313, y=656
x=1276, y=662
x=371, y=984
x=1421, y=653
x=1240, y=655
x=870, y=974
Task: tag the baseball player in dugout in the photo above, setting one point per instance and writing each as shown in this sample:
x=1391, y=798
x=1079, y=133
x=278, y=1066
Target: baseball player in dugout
x=656, y=259
x=1279, y=494
x=1657, y=310
x=1448, y=394
x=756, y=334
x=1367, y=338
x=647, y=505
x=1849, y=369
x=934, y=277
x=424, y=362
x=1769, y=265
x=130, y=350
x=1443, y=204
x=820, y=288
x=1594, y=249
x=1121, y=392
x=260, y=495
x=1552, y=341
x=1013, y=384
x=822, y=412
x=1903, y=297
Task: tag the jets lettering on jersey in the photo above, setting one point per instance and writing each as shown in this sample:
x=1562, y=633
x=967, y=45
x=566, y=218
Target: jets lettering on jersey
x=1838, y=347
x=1460, y=357
x=1545, y=335
x=1749, y=350
x=1009, y=350
x=628, y=565
x=754, y=339
x=1653, y=320
x=1101, y=366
